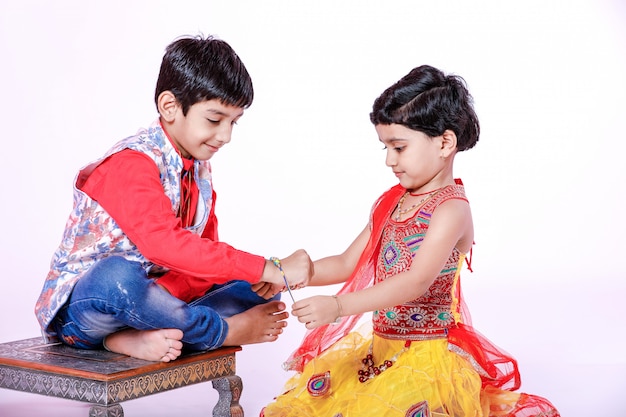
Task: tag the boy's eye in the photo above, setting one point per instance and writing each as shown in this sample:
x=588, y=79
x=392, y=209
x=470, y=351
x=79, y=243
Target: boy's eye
x=213, y=121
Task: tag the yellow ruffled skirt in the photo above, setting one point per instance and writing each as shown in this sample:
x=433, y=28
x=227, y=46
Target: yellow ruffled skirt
x=426, y=371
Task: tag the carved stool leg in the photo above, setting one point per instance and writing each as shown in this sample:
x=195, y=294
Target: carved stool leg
x=229, y=389
x=114, y=410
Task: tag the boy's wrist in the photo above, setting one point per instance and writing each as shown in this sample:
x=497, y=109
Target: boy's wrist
x=270, y=274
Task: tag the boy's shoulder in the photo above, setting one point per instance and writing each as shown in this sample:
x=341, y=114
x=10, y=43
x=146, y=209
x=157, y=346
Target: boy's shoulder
x=149, y=139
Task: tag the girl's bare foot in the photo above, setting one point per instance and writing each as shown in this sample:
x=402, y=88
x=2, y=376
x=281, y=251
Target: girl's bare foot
x=262, y=323
x=151, y=345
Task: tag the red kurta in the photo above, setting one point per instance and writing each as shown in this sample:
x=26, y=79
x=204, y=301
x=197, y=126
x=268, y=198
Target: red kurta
x=127, y=185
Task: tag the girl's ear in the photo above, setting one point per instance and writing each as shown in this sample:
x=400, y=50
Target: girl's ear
x=167, y=105
x=448, y=143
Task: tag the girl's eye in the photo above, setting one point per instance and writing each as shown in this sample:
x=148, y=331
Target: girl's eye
x=213, y=121
x=397, y=148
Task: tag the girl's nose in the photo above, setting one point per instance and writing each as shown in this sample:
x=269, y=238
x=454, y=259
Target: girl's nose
x=390, y=159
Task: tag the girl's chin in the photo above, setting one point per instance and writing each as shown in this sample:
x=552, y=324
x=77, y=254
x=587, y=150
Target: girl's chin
x=406, y=184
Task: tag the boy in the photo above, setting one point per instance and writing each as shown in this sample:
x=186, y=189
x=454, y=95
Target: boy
x=140, y=270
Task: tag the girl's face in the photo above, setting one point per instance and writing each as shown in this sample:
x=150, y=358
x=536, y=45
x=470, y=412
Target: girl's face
x=415, y=158
x=207, y=127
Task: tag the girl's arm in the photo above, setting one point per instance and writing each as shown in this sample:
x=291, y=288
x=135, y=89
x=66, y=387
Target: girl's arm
x=338, y=268
x=450, y=227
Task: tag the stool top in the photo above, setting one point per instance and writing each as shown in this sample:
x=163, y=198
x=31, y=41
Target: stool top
x=58, y=358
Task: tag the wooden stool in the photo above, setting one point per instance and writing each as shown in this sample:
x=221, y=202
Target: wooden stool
x=104, y=379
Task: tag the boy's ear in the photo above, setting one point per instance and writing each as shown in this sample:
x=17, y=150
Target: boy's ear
x=167, y=105
x=448, y=143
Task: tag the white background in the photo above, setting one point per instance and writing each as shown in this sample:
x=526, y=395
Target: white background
x=546, y=180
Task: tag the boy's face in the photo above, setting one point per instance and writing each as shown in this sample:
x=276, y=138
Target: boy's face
x=207, y=127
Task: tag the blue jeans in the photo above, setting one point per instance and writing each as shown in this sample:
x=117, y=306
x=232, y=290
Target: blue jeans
x=117, y=294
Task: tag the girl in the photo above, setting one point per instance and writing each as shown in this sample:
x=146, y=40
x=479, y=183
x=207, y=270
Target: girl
x=422, y=356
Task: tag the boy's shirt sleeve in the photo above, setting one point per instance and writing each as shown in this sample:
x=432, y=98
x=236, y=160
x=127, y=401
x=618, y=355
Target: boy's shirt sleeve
x=128, y=187
x=184, y=286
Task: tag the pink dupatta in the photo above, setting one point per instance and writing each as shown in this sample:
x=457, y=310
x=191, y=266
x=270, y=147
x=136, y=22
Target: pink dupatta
x=318, y=340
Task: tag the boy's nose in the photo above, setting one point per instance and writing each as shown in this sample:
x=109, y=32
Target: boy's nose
x=224, y=135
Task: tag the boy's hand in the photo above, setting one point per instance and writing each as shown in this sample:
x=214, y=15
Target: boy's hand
x=298, y=268
x=267, y=290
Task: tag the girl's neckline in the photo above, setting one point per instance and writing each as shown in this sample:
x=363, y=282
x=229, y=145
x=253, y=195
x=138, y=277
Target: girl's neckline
x=415, y=208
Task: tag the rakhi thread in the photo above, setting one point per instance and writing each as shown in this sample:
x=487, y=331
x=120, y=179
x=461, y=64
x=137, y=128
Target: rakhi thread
x=276, y=262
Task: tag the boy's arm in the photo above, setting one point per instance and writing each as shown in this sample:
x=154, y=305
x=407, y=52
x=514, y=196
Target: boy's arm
x=128, y=187
x=184, y=286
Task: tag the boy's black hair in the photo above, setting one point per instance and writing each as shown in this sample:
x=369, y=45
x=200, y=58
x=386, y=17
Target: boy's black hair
x=195, y=69
x=429, y=101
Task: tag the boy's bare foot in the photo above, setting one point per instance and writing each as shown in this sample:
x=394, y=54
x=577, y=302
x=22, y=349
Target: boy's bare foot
x=151, y=345
x=262, y=323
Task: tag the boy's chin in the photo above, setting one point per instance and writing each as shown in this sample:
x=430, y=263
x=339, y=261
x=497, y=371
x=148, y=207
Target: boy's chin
x=204, y=156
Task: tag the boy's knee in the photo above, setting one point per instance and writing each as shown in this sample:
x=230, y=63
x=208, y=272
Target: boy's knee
x=118, y=266
x=111, y=275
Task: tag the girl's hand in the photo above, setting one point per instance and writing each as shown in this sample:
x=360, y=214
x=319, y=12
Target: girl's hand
x=316, y=311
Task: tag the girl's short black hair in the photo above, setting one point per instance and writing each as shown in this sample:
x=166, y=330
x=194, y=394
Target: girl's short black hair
x=429, y=101
x=196, y=69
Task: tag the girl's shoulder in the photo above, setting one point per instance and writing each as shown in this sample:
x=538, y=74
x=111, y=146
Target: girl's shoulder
x=447, y=193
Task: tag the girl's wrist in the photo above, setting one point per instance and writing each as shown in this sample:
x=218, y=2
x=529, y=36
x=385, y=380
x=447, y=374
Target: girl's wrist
x=339, y=310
